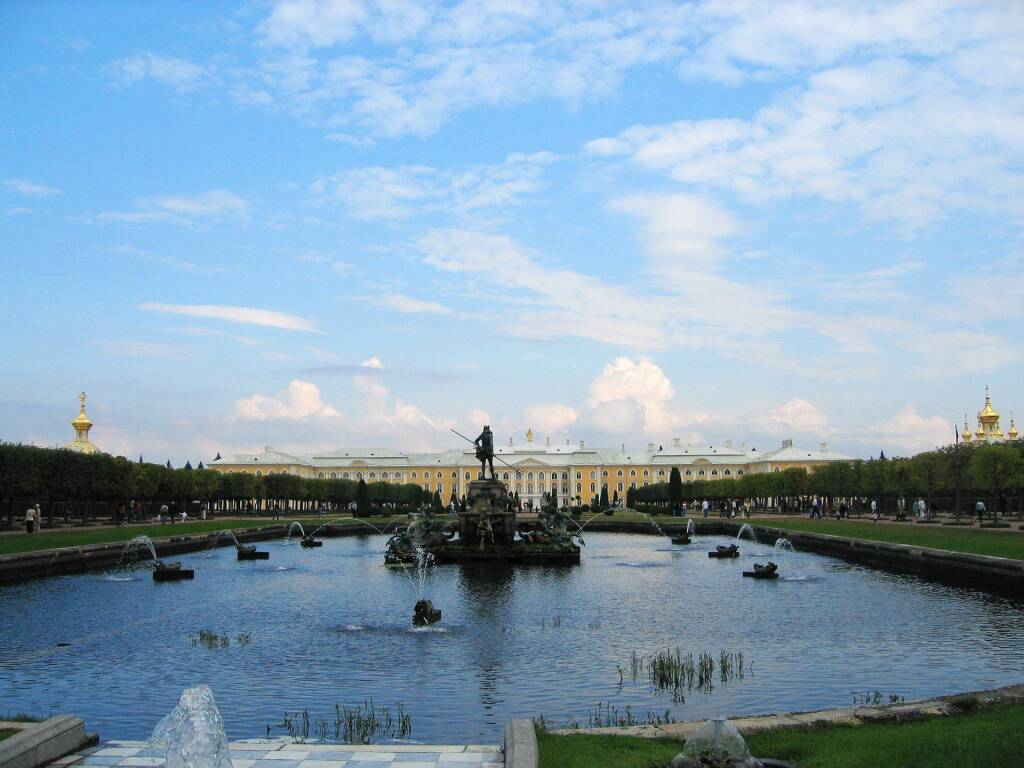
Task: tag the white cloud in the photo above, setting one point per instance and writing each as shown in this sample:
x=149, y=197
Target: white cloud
x=30, y=188
x=631, y=395
x=372, y=362
x=910, y=432
x=247, y=315
x=245, y=341
x=18, y=211
x=301, y=400
x=178, y=73
x=373, y=193
x=408, y=305
x=133, y=348
x=214, y=204
x=795, y=415
x=550, y=417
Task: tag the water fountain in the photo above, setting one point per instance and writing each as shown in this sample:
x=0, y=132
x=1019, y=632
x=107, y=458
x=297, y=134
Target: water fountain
x=748, y=529
x=244, y=551
x=161, y=571
x=716, y=744
x=132, y=547
x=192, y=735
x=307, y=540
x=783, y=544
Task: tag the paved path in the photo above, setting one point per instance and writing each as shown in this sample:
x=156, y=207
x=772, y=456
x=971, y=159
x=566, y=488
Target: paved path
x=282, y=753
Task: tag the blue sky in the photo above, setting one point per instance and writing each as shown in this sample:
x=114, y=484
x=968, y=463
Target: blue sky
x=323, y=224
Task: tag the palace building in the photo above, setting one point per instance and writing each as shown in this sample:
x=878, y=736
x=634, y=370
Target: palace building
x=988, y=430
x=532, y=469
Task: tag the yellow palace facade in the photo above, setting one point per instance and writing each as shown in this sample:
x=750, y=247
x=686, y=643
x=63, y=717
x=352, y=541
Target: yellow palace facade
x=532, y=469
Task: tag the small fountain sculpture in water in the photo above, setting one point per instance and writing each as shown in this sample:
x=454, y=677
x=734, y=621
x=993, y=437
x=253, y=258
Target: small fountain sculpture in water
x=723, y=552
x=171, y=572
x=249, y=552
x=192, y=735
x=425, y=613
x=769, y=571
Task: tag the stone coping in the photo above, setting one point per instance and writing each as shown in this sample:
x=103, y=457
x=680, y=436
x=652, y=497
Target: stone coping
x=286, y=753
x=882, y=713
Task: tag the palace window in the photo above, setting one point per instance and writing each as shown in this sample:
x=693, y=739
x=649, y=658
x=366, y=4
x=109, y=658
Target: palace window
x=359, y=475
x=383, y=475
x=345, y=476
x=506, y=475
x=439, y=475
x=593, y=487
x=632, y=473
x=319, y=474
x=714, y=471
x=739, y=471
x=334, y=475
x=727, y=472
x=619, y=473
x=688, y=473
x=632, y=485
x=259, y=474
x=519, y=475
x=529, y=476
x=620, y=487
x=455, y=475
x=579, y=475
x=661, y=473
x=426, y=487
x=701, y=473
x=604, y=473
x=565, y=475
x=529, y=487
x=565, y=488
x=592, y=474
x=646, y=473
x=579, y=487
x=413, y=475
x=373, y=475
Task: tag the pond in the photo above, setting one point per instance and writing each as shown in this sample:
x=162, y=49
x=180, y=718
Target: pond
x=333, y=626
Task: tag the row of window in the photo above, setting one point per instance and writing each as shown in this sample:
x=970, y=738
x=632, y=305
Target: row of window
x=506, y=475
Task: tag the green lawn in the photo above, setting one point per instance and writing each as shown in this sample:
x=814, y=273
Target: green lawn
x=7, y=734
x=23, y=542
x=990, y=737
x=998, y=543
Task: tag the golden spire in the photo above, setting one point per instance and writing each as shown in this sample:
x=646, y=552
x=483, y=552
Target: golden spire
x=1012, y=434
x=529, y=435
x=966, y=433
x=82, y=425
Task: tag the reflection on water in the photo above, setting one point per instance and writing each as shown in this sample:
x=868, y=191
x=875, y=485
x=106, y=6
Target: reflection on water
x=333, y=626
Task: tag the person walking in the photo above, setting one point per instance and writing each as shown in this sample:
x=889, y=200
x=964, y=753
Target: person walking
x=922, y=510
x=980, y=510
x=704, y=507
x=30, y=520
x=874, y=511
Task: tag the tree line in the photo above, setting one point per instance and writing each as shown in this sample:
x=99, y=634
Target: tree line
x=84, y=486
x=951, y=479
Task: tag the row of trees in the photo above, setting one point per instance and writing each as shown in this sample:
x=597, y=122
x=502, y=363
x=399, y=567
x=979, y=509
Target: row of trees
x=86, y=485
x=953, y=477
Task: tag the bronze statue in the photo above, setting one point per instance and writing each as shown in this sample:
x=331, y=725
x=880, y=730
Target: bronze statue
x=485, y=451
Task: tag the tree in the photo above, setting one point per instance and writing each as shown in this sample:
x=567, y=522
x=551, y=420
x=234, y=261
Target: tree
x=604, y=497
x=362, y=499
x=435, y=502
x=675, y=490
x=957, y=458
x=996, y=469
x=925, y=471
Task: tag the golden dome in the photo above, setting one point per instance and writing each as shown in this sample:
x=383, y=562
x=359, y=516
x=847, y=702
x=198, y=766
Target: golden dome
x=988, y=414
x=82, y=425
x=966, y=434
x=1012, y=434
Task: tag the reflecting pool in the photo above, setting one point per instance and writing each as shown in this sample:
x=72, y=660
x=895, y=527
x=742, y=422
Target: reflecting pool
x=333, y=626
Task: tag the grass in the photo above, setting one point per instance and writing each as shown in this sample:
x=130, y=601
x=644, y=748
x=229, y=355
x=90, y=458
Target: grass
x=967, y=540
x=7, y=734
x=984, y=738
x=23, y=542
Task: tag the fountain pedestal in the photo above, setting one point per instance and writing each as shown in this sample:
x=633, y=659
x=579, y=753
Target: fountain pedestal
x=487, y=504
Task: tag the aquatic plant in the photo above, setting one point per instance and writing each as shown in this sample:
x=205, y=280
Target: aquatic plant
x=670, y=671
x=361, y=724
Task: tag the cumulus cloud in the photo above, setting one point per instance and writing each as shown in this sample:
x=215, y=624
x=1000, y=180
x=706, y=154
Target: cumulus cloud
x=630, y=394
x=301, y=400
x=550, y=417
x=245, y=315
x=909, y=432
x=175, y=72
x=372, y=362
x=795, y=415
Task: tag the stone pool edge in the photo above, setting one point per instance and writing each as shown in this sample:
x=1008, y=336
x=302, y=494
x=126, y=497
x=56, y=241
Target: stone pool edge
x=952, y=704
